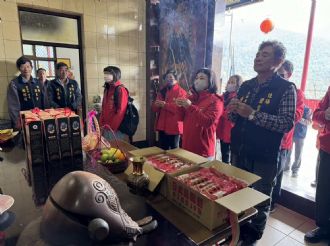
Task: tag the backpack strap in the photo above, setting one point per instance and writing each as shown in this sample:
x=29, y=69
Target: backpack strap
x=116, y=96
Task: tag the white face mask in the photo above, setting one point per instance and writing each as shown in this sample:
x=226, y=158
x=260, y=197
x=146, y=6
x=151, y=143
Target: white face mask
x=201, y=84
x=108, y=78
x=231, y=88
x=170, y=82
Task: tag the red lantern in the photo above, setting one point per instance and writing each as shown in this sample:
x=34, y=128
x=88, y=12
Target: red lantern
x=266, y=26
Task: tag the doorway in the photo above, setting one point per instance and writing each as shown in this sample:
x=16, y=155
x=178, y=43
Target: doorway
x=49, y=38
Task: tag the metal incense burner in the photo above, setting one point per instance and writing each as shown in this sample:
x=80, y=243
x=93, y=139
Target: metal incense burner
x=138, y=180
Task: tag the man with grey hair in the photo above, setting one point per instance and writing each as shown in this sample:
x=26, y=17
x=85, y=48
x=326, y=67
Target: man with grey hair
x=263, y=111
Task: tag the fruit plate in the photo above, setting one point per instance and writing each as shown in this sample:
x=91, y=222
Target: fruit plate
x=117, y=167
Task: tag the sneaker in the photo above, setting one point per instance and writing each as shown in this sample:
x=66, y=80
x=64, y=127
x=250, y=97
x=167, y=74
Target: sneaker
x=316, y=235
x=313, y=184
x=294, y=175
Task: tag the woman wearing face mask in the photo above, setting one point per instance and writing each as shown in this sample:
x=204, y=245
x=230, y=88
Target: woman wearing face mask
x=225, y=125
x=113, y=106
x=168, y=125
x=201, y=112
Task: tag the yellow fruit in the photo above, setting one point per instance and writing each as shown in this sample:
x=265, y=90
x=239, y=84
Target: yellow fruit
x=119, y=155
x=111, y=151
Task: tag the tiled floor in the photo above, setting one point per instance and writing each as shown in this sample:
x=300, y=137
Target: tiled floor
x=301, y=184
x=12, y=182
x=287, y=228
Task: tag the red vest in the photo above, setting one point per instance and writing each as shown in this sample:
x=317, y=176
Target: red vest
x=288, y=137
x=200, y=121
x=110, y=115
x=167, y=117
x=319, y=116
x=225, y=125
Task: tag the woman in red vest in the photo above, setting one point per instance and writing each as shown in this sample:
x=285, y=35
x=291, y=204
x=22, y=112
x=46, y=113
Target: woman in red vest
x=225, y=125
x=168, y=125
x=113, y=105
x=201, y=112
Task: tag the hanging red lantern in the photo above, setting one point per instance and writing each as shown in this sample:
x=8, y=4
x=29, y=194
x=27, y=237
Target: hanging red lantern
x=266, y=26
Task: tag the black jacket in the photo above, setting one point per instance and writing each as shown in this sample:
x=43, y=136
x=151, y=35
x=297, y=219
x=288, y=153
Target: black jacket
x=68, y=96
x=22, y=95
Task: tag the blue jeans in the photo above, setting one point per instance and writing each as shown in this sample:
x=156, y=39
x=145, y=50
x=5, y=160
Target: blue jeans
x=298, y=148
x=167, y=141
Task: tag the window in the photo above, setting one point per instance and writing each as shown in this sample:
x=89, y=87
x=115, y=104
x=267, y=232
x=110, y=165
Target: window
x=48, y=28
x=41, y=57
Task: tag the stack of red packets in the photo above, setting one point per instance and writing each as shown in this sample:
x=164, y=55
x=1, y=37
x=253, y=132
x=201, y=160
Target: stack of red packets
x=211, y=183
x=168, y=163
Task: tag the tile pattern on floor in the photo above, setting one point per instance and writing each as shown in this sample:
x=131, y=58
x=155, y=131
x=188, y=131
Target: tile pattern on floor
x=12, y=182
x=287, y=228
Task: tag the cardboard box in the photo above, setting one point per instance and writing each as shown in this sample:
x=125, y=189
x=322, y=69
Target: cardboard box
x=213, y=214
x=76, y=146
x=156, y=176
x=62, y=124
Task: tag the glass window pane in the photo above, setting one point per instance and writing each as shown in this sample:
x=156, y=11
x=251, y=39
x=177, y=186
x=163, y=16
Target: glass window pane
x=49, y=66
x=48, y=28
x=44, y=51
x=34, y=70
x=27, y=49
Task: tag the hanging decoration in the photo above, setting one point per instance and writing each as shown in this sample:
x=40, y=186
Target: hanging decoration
x=266, y=26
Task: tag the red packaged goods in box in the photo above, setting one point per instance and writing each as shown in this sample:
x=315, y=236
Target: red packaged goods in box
x=211, y=183
x=207, y=195
x=168, y=163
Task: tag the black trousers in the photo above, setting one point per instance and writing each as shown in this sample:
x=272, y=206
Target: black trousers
x=322, y=198
x=167, y=142
x=267, y=170
x=225, y=152
x=282, y=158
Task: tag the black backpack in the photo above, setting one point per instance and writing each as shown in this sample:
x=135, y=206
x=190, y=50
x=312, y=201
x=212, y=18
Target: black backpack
x=131, y=119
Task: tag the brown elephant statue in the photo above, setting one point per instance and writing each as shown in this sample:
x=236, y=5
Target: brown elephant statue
x=83, y=206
